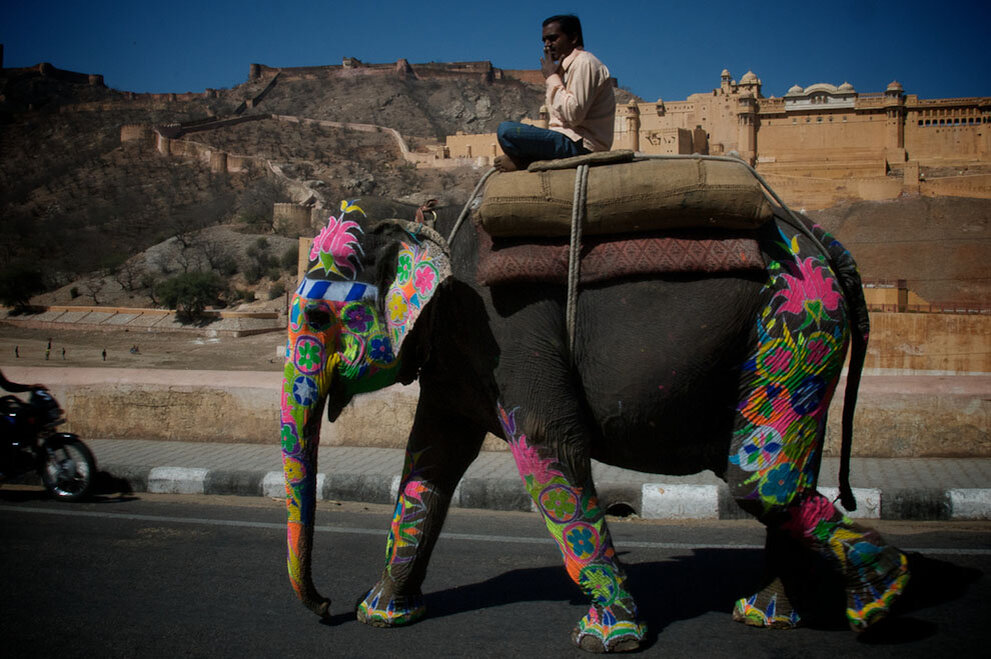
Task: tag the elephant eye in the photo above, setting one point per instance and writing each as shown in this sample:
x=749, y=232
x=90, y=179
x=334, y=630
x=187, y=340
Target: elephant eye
x=318, y=319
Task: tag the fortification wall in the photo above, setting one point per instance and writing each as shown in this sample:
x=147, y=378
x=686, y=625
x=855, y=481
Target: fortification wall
x=930, y=342
x=483, y=145
x=977, y=186
x=962, y=141
x=813, y=193
x=351, y=67
x=136, y=133
x=291, y=218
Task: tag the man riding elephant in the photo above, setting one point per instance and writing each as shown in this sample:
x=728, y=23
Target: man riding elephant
x=579, y=97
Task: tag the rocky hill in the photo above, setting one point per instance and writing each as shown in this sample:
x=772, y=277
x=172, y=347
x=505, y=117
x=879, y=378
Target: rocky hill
x=105, y=221
x=81, y=206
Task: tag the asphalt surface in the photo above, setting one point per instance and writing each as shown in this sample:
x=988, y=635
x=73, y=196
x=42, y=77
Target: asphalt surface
x=204, y=576
x=906, y=489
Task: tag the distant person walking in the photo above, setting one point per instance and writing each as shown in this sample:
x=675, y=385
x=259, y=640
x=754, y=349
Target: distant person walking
x=48, y=351
x=17, y=352
x=63, y=354
x=104, y=354
x=579, y=97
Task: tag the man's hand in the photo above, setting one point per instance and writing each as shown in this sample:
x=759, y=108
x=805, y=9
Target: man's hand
x=548, y=65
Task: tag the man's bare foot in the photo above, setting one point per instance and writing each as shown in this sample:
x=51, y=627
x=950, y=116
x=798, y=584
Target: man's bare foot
x=504, y=163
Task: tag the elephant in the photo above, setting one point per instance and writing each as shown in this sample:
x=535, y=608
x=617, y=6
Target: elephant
x=668, y=374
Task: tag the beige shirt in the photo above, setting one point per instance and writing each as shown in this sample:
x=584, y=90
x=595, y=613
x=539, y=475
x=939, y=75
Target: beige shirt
x=582, y=104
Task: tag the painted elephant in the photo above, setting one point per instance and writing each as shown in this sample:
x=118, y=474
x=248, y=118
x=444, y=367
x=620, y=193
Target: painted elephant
x=668, y=374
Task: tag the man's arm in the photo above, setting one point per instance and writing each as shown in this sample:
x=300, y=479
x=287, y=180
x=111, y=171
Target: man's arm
x=571, y=103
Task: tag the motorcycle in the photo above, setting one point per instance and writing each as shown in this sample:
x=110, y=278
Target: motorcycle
x=31, y=443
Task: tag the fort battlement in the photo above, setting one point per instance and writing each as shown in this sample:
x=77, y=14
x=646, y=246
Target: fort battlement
x=47, y=70
x=352, y=67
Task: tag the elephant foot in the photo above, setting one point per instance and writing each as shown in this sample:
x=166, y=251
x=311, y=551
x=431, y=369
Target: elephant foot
x=770, y=608
x=871, y=601
x=380, y=608
x=601, y=631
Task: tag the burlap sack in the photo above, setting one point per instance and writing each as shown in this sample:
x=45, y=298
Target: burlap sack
x=626, y=198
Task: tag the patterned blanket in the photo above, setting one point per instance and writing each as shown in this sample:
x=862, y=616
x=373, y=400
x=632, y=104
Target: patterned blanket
x=517, y=260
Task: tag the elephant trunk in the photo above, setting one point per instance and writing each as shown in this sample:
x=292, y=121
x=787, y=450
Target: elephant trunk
x=303, y=396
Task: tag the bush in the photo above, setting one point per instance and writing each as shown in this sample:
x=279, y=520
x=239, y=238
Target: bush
x=290, y=257
x=278, y=289
x=190, y=293
x=242, y=294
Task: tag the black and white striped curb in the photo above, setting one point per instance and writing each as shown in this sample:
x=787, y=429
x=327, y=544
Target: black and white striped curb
x=648, y=500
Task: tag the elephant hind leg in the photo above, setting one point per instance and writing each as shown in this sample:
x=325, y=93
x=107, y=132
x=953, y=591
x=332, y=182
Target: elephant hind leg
x=875, y=573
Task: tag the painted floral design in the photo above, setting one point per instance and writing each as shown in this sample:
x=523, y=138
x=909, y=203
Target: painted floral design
x=304, y=391
x=290, y=439
x=531, y=464
x=425, y=280
x=337, y=249
x=801, y=340
x=507, y=419
x=810, y=291
x=357, y=318
x=398, y=308
x=589, y=556
x=582, y=541
x=559, y=503
x=760, y=450
x=404, y=266
x=380, y=350
x=309, y=354
x=778, y=486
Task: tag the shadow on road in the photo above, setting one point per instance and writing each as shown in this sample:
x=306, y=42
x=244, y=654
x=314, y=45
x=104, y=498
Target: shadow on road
x=686, y=587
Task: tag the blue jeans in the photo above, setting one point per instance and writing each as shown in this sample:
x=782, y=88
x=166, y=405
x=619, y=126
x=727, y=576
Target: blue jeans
x=525, y=144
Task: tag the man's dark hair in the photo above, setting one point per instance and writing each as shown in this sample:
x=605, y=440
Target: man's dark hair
x=570, y=25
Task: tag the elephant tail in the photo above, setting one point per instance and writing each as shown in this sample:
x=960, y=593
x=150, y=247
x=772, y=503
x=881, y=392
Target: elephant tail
x=849, y=277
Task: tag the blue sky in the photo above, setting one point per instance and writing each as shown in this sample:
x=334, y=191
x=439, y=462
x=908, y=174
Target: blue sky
x=656, y=49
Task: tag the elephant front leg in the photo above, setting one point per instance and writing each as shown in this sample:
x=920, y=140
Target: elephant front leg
x=432, y=470
x=575, y=520
x=771, y=607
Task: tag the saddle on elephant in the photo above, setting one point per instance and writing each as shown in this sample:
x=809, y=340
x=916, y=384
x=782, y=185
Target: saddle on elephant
x=638, y=217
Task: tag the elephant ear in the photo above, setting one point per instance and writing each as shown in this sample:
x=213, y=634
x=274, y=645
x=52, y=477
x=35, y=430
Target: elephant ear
x=422, y=264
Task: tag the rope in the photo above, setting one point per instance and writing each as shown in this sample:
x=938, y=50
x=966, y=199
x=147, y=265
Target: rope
x=471, y=200
x=574, y=252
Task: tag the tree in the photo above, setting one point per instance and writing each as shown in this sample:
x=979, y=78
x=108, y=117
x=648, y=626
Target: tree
x=128, y=274
x=93, y=286
x=190, y=293
x=18, y=283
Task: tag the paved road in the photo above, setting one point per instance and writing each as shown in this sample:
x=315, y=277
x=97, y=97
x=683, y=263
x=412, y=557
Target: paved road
x=166, y=576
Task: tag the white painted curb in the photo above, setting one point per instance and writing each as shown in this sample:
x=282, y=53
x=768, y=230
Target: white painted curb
x=274, y=485
x=176, y=480
x=970, y=503
x=663, y=501
x=868, y=501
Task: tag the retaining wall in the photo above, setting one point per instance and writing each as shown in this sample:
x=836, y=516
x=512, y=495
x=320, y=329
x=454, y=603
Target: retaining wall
x=897, y=416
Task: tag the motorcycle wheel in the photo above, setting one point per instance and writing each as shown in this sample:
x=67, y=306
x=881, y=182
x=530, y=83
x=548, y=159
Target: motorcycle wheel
x=68, y=470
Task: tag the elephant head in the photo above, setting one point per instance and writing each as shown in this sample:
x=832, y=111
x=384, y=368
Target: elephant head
x=366, y=285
